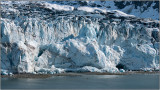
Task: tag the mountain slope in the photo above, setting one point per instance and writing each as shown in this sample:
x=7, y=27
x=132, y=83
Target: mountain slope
x=142, y=9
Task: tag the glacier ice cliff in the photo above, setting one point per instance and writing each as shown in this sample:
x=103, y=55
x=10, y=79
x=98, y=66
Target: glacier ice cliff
x=40, y=37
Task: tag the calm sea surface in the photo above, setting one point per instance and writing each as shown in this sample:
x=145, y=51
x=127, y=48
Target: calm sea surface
x=137, y=81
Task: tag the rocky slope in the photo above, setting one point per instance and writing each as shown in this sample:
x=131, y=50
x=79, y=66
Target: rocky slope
x=47, y=37
x=142, y=9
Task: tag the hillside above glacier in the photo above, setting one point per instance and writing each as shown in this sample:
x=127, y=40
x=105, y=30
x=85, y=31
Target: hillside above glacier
x=56, y=37
x=142, y=9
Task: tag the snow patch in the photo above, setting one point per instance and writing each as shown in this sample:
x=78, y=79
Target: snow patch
x=59, y=7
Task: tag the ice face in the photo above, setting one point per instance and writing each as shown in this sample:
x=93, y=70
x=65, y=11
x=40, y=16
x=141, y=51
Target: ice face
x=75, y=40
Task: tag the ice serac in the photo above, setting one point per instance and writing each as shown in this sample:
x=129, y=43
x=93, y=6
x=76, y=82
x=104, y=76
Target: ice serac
x=38, y=37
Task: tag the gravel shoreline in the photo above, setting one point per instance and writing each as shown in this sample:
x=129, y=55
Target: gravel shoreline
x=27, y=75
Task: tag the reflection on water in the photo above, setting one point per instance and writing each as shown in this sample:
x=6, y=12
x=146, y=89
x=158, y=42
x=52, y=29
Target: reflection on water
x=140, y=81
x=106, y=76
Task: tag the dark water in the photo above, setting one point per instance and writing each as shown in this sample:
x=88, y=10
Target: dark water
x=138, y=81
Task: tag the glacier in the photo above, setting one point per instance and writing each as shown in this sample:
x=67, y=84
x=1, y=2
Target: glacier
x=45, y=38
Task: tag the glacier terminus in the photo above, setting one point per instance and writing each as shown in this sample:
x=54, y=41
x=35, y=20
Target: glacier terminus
x=50, y=37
